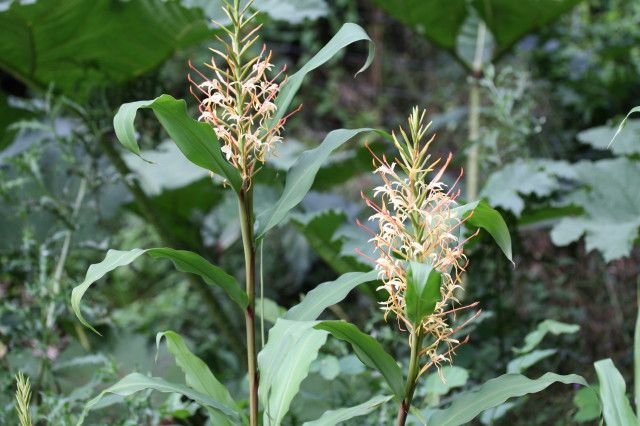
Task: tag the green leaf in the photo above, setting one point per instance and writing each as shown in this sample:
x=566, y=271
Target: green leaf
x=423, y=291
x=606, y=183
x=520, y=364
x=197, y=375
x=442, y=21
x=334, y=417
x=493, y=393
x=184, y=261
x=616, y=408
x=602, y=137
x=507, y=187
x=321, y=231
x=510, y=21
x=284, y=363
x=293, y=11
x=300, y=178
x=534, y=338
x=136, y=382
x=588, y=404
x=79, y=44
x=327, y=294
x=454, y=377
x=349, y=33
x=369, y=351
x=480, y=215
x=634, y=110
x=196, y=140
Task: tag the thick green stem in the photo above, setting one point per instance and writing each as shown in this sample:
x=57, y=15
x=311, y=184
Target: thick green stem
x=412, y=378
x=245, y=206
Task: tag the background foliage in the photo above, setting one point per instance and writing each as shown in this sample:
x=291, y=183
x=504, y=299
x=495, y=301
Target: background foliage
x=554, y=84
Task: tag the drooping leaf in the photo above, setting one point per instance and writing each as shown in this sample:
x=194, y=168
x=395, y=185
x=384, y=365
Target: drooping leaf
x=479, y=214
x=611, y=207
x=136, y=382
x=284, y=363
x=423, y=291
x=185, y=261
x=369, y=351
x=602, y=137
x=534, y=338
x=300, y=178
x=197, y=141
x=327, y=294
x=79, y=44
x=634, y=110
x=494, y=392
x=348, y=34
x=197, y=375
x=334, y=417
x=616, y=408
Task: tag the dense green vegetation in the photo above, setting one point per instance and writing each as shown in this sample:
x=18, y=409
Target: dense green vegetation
x=237, y=259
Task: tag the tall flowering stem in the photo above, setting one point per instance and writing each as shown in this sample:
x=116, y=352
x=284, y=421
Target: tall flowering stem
x=416, y=222
x=236, y=96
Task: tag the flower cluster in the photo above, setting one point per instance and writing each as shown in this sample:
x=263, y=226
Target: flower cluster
x=238, y=100
x=416, y=220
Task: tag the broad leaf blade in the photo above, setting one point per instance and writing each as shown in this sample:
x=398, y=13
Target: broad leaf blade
x=615, y=404
x=327, y=294
x=423, y=291
x=185, y=261
x=369, y=351
x=481, y=215
x=196, y=140
x=79, y=45
x=136, y=382
x=493, y=393
x=334, y=417
x=284, y=363
x=197, y=375
x=300, y=178
x=349, y=33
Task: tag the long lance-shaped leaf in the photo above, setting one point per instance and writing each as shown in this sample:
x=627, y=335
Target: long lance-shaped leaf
x=616, y=408
x=196, y=140
x=493, y=393
x=284, y=363
x=136, y=382
x=423, y=291
x=197, y=375
x=369, y=351
x=481, y=215
x=334, y=417
x=327, y=294
x=184, y=261
x=300, y=178
x=349, y=33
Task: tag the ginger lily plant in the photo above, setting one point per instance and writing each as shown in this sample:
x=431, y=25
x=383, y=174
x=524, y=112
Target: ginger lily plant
x=243, y=105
